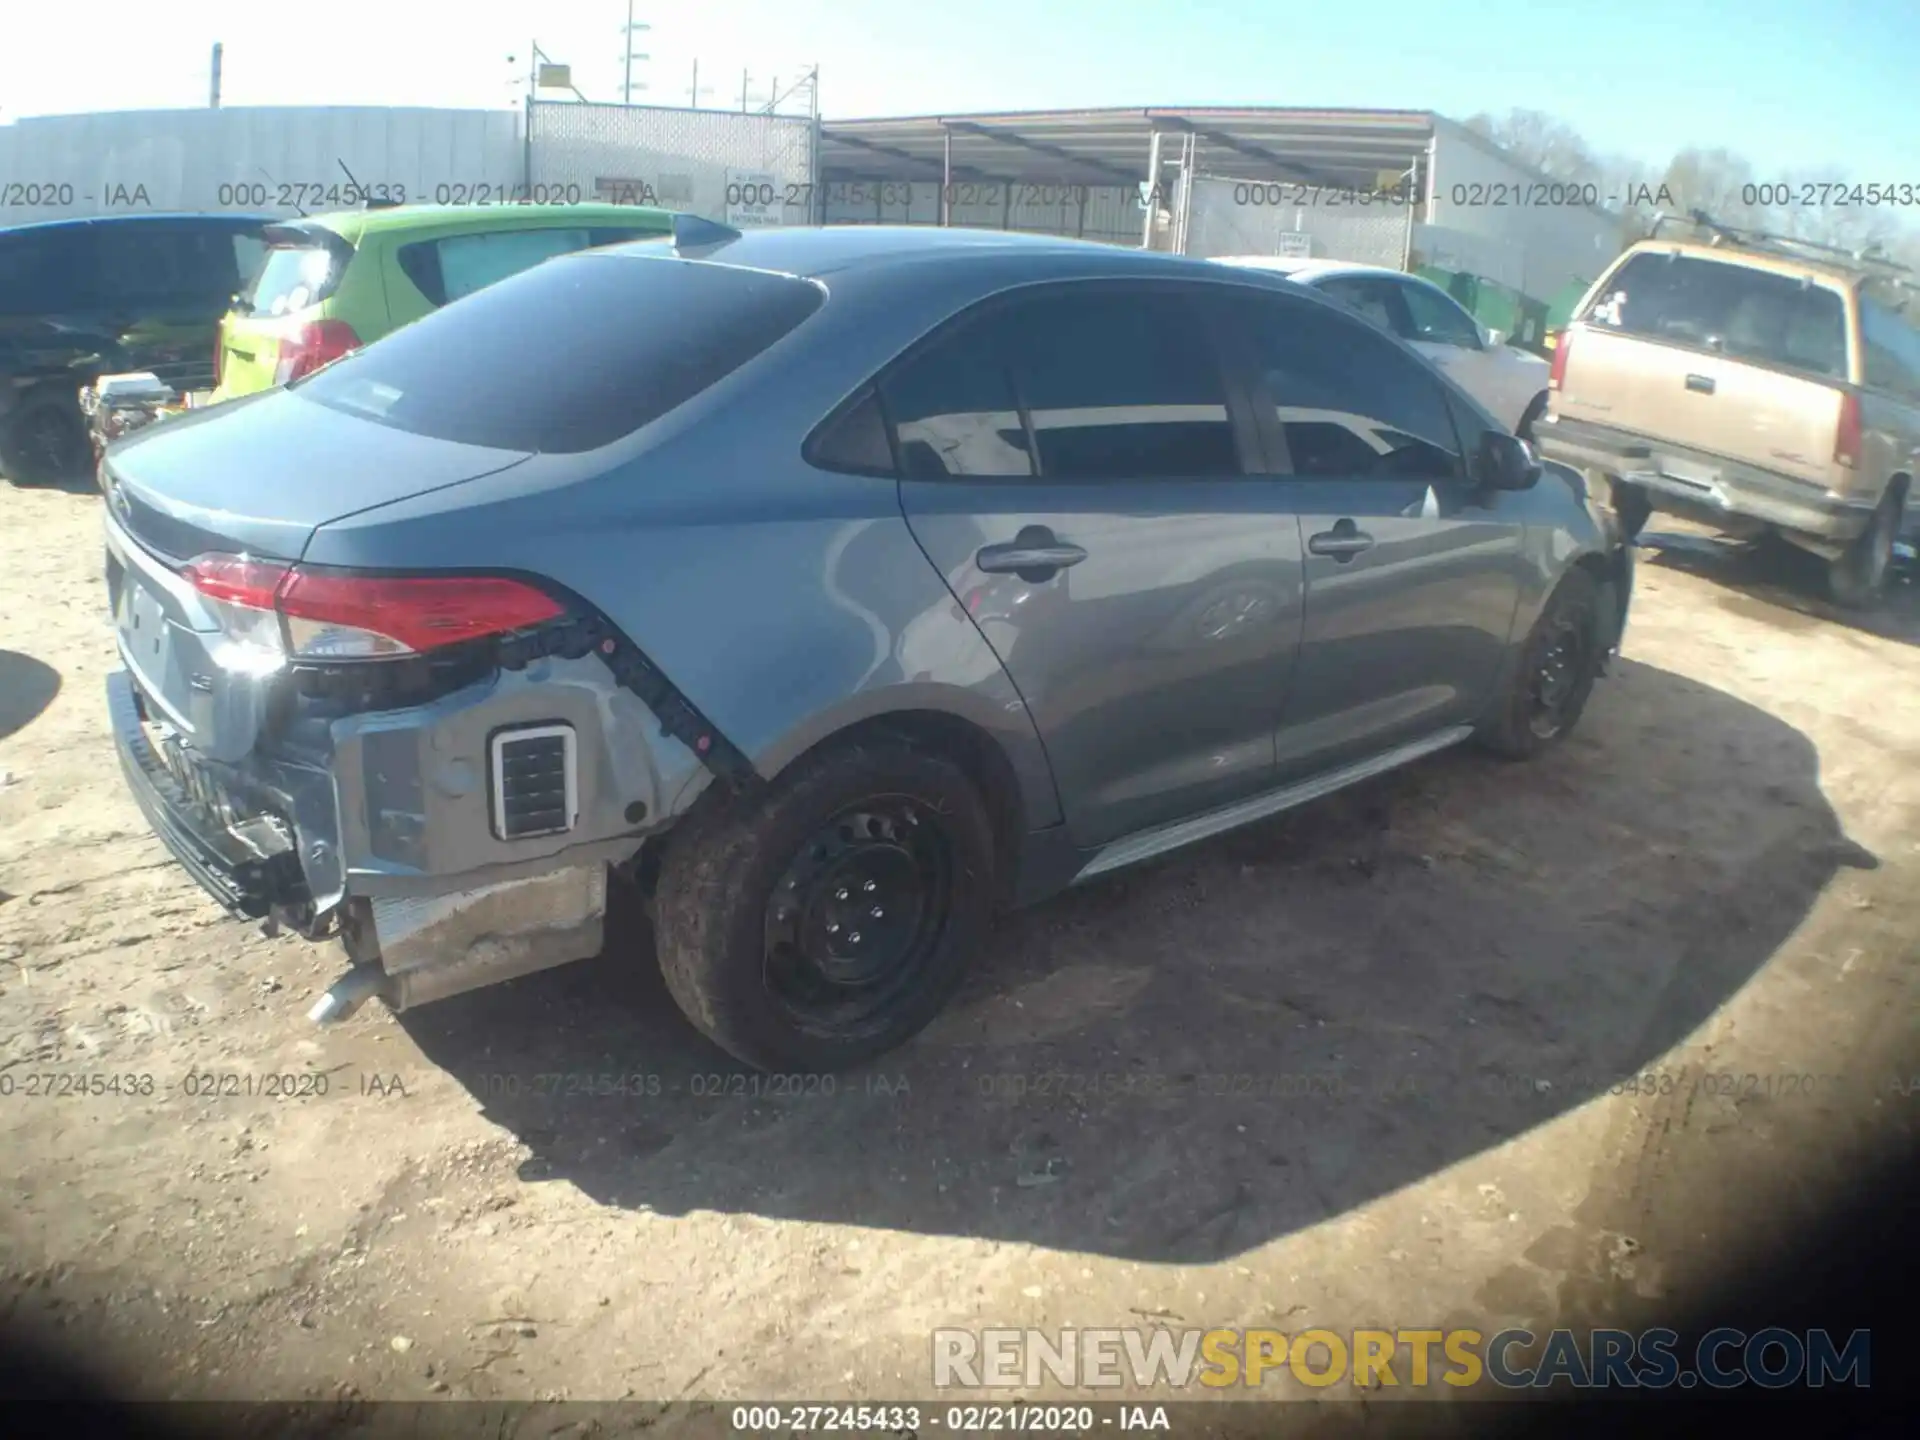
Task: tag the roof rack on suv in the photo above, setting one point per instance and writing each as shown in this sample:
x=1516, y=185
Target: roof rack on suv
x=1866, y=258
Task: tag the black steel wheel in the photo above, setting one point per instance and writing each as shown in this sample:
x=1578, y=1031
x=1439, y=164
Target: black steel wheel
x=1551, y=678
x=1564, y=661
x=826, y=918
x=855, y=918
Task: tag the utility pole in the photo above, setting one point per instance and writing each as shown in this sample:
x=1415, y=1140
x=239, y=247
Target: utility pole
x=745, y=79
x=213, y=94
x=697, y=89
x=630, y=30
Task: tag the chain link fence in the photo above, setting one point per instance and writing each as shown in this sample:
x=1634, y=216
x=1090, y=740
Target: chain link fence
x=1223, y=216
x=745, y=170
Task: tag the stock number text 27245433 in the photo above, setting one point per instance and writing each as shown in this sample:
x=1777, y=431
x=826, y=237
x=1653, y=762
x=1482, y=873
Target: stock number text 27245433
x=306, y=194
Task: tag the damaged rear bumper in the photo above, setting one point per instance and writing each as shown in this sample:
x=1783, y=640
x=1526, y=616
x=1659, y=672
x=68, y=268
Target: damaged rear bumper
x=379, y=829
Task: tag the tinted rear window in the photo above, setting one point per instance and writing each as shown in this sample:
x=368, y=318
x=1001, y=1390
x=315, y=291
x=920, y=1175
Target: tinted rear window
x=1754, y=314
x=568, y=356
x=293, y=278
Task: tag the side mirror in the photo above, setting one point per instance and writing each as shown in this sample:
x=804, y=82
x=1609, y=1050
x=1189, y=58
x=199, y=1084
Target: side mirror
x=1495, y=339
x=1504, y=462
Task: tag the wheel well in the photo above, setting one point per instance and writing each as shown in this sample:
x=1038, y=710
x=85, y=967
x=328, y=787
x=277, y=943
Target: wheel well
x=975, y=752
x=961, y=741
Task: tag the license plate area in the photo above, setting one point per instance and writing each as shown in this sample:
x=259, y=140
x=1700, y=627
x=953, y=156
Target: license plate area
x=174, y=752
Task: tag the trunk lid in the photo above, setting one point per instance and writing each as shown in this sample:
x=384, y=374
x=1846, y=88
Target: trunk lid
x=259, y=475
x=1712, y=355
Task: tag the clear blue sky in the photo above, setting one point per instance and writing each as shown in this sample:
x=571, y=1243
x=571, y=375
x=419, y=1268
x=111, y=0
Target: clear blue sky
x=1790, y=83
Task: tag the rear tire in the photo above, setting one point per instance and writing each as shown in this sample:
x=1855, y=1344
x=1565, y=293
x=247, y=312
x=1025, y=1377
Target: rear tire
x=1554, y=676
x=761, y=900
x=45, y=441
x=1858, y=578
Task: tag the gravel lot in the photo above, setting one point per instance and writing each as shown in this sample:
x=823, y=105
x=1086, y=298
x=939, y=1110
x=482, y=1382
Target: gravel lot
x=1351, y=1067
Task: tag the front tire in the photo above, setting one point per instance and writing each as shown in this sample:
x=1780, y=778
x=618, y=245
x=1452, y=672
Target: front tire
x=1554, y=676
x=827, y=919
x=1858, y=577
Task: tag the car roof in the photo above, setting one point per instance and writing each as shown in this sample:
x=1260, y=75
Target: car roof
x=165, y=217
x=1733, y=253
x=390, y=219
x=817, y=251
x=1306, y=271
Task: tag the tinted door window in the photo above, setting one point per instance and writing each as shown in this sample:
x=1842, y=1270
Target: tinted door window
x=138, y=263
x=1120, y=383
x=952, y=406
x=1435, y=319
x=1349, y=401
x=1717, y=305
x=44, y=272
x=1893, y=349
x=1376, y=300
x=448, y=269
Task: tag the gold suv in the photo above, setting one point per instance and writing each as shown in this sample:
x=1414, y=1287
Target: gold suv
x=1752, y=382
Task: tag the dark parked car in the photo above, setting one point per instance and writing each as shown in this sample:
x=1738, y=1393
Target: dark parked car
x=84, y=298
x=880, y=578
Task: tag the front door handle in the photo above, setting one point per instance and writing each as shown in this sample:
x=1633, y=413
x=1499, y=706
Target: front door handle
x=1343, y=542
x=1036, y=554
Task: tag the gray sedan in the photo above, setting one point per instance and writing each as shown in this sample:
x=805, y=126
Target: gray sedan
x=834, y=588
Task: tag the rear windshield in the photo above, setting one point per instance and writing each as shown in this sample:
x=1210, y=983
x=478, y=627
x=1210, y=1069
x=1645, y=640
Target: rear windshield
x=1731, y=308
x=568, y=356
x=293, y=278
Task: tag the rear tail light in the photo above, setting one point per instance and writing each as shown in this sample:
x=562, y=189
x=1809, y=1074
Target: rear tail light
x=1846, y=439
x=323, y=615
x=316, y=343
x=1562, y=342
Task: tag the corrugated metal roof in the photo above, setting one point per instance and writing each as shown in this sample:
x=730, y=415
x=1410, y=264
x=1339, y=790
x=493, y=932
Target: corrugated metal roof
x=1333, y=148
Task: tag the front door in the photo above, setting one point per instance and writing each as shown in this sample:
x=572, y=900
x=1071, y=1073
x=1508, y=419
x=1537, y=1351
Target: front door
x=1413, y=574
x=1073, y=467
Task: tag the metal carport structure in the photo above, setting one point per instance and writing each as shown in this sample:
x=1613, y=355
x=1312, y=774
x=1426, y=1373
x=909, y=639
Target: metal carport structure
x=1107, y=155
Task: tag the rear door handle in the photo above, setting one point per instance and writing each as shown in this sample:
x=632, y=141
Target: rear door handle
x=1700, y=384
x=1343, y=542
x=1035, y=554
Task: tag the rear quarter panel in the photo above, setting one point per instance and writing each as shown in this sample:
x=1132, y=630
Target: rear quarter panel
x=785, y=602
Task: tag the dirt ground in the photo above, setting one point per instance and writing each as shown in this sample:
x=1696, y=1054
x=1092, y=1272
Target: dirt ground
x=1351, y=1067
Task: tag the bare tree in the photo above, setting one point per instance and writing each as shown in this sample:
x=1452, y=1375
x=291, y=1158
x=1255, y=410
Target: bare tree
x=1539, y=141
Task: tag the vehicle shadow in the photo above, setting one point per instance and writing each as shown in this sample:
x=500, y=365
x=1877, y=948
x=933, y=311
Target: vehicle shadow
x=1238, y=1041
x=27, y=687
x=1785, y=586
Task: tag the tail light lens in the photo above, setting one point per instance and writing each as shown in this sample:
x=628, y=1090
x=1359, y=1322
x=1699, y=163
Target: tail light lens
x=1562, y=346
x=1846, y=439
x=317, y=343
x=309, y=614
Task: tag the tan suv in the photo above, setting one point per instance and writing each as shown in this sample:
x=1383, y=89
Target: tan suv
x=1754, y=383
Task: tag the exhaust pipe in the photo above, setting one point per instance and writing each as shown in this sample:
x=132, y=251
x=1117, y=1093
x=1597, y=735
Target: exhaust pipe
x=347, y=994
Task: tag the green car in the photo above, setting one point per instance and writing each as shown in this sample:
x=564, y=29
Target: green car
x=330, y=283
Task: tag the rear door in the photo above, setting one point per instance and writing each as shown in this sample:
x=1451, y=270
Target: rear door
x=1074, y=466
x=1412, y=574
x=1716, y=356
